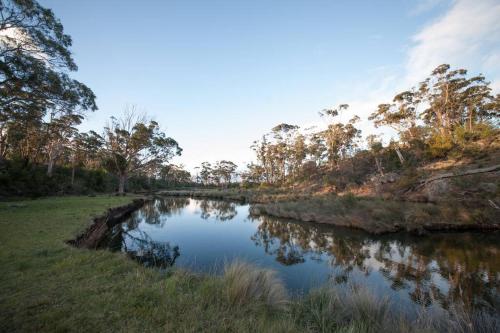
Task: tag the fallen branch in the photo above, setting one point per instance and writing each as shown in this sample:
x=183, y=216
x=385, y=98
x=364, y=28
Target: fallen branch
x=458, y=174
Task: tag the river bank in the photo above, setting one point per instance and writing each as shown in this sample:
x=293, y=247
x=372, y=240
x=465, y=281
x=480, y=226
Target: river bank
x=373, y=215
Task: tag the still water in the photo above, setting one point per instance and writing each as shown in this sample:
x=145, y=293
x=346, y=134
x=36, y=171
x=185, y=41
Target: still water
x=202, y=235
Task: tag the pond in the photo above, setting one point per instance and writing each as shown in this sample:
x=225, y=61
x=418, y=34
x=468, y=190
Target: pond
x=201, y=235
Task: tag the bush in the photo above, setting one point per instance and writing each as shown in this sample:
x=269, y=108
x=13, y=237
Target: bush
x=21, y=178
x=440, y=145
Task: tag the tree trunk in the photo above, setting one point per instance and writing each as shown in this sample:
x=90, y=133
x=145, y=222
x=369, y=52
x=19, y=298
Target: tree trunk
x=379, y=166
x=400, y=156
x=122, y=181
x=149, y=184
x=72, y=170
x=73, y=175
x=50, y=167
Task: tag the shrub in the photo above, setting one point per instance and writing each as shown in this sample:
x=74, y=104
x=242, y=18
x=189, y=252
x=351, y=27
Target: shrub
x=440, y=145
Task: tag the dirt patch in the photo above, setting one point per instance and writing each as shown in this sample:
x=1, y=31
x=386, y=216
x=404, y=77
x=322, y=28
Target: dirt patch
x=92, y=237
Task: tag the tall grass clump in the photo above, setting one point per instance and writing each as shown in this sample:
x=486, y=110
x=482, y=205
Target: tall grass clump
x=332, y=310
x=355, y=309
x=246, y=283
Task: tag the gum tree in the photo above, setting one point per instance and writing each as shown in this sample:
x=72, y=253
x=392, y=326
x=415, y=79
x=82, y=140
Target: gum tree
x=133, y=145
x=35, y=60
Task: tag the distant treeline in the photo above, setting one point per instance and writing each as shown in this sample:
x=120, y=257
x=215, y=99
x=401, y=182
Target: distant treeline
x=20, y=179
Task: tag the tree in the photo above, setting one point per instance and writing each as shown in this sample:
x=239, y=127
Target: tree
x=85, y=148
x=376, y=147
x=298, y=153
x=254, y=174
x=206, y=173
x=317, y=147
x=34, y=63
x=59, y=134
x=134, y=145
x=339, y=138
x=455, y=100
x=446, y=106
x=401, y=115
x=281, y=152
x=224, y=171
x=175, y=175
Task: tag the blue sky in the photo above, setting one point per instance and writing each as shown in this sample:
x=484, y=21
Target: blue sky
x=217, y=75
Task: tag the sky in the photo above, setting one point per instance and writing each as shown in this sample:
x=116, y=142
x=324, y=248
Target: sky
x=219, y=74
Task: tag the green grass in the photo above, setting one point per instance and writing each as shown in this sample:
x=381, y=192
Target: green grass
x=46, y=285
x=49, y=286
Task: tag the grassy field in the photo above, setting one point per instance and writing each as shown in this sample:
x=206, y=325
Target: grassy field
x=47, y=285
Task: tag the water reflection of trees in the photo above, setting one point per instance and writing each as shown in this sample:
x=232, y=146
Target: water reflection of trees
x=442, y=268
x=149, y=252
x=141, y=247
x=155, y=212
x=138, y=244
x=219, y=209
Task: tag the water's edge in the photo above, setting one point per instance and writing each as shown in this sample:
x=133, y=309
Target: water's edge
x=100, y=225
x=273, y=209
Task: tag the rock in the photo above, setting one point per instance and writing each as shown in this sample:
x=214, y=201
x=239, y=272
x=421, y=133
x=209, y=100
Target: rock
x=437, y=189
x=390, y=177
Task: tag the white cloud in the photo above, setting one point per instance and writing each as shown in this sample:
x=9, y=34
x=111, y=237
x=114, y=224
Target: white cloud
x=466, y=36
x=425, y=6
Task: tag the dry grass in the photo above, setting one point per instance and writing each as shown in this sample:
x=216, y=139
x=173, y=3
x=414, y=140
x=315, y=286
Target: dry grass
x=245, y=283
x=355, y=309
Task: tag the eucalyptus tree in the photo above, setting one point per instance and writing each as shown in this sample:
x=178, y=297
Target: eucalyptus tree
x=401, y=115
x=254, y=174
x=224, y=171
x=446, y=101
x=317, y=148
x=298, y=154
x=35, y=60
x=85, y=149
x=220, y=173
x=174, y=174
x=89, y=148
x=376, y=147
x=133, y=145
x=260, y=148
x=340, y=138
x=455, y=100
x=281, y=150
x=59, y=131
x=206, y=173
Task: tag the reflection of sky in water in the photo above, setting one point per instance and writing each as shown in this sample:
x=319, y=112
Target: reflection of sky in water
x=209, y=233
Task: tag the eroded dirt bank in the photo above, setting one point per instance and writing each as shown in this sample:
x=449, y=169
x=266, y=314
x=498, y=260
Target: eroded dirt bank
x=92, y=237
